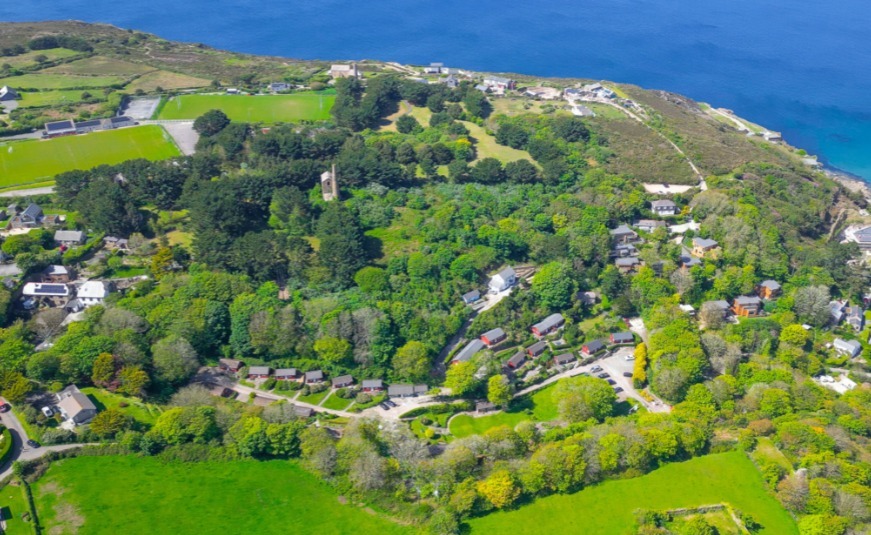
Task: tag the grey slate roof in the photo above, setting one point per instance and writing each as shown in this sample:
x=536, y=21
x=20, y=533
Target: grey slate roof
x=549, y=322
x=314, y=375
x=565, y=358
x=286, y=372
x=623, y=338
x=537, y=348
x=705, y=243
x=469, y=351
x=748, y=300
x=342, y=380
x=771, y=284
x=517, y=359
x=259, y=370
x=373, y=383
x=494, y=334
x=594, y=346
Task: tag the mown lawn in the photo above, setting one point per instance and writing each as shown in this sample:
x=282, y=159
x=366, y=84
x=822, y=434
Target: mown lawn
x=27, y=162
x=59, y=81
x=142, y=495
x=541, y=404
x=607, y=508
x=336, y=403
x=314, y=399
x=135, y=408
x=12, y=504
x=253, y=109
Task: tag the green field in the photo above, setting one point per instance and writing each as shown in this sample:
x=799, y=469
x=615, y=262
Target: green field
x=541, y=404
x=59, y=81
x=49, y=98
x=336, y=403
x=142, y=495
x=26, y=162
x=12, y=504
x=314, y=399
x=29, y=58
x=135, y=408
x=253, y=109
x=607, y=508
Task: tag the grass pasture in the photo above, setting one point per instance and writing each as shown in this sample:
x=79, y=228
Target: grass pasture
x=49, y=98
x=28, y=59
x=607, y=508
x=253, y=109
x=31, y=161
x=141, y=495
x=60, y=81
x=149, y=82
x=12, y=504
x=541, y=404
x=97, y=66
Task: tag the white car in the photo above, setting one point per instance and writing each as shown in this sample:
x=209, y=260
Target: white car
x=629, y=357
x=47, y=412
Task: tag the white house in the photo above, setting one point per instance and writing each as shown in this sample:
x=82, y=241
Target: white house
x=847, y=347
x=74, y=406
x=93, y=293
x=503, y=280
x=664, y=207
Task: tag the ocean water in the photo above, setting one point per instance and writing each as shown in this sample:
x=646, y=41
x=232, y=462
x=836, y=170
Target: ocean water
x=801, y=67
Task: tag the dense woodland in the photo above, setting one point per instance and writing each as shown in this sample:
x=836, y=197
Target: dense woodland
x=371, y=285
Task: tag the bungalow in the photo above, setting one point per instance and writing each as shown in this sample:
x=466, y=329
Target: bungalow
x=856, y=317
x=484, y=406
x=69, y=238
x=434, y=68
x=562, y=360
x=649, y=225
x=517, y=360
x=768, y=289
x=493, y=337
x=719, y=304
x=404, y=391
x=689, y=261
x=93, y=293
x=591, y=348
x=503, y=280
x=259, y=372
x=55, y=274
x=625, y=265
x=74, y=406
x=344, y=71
x=471, y=297
x=537, y=348
x=623, y=250
x=548, y=325
x=372, y=385
x=622, y=338
x=847, y=347
x=53, y=294
x=314, y=376
x=303, y=412
x=7, y=94
x=31, y=217
x=624, y=234
x=286, y=374
x=60, y=128
x=499, y=84
x=838, y=311
x=119, y=244
x=747, y=306
x=469, y=351
x=664, y=207
x=342, y=381
x=230, y=365
x=702, y=246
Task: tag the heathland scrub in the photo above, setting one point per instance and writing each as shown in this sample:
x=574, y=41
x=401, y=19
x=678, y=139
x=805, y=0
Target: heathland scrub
x=607, y=508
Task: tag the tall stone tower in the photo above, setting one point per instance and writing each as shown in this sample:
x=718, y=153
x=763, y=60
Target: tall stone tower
x=330, y=184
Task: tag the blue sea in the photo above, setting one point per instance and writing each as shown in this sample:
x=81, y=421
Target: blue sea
x=799, y=66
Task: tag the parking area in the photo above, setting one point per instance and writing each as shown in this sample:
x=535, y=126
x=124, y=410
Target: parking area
x=615, y=365
x=141, y=108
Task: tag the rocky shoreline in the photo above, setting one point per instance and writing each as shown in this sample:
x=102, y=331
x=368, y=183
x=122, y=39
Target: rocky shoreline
x=851, y=182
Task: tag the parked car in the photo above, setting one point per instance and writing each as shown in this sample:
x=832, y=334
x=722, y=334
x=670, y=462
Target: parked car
x=627, y=374
x=603, y=375
x=32, y=443
x=618, y=389
x=595, y=369
x=384, y=406
x=4, y=407
x=629, y=357
x=47, y=412
x=612, y=382
x=390, y=402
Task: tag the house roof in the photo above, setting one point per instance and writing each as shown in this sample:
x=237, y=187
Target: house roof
x=89, y=124
x=537, y=347
x=770, y=284
x=69, y=235
x=549, y=322
x=373, y=383
x=406, y=390
x=624, y=337
x=627, y=262
x=494, y=334
x=32, y=210
x=705, y=243
x=343, y=379
x=120, y=120
x=517, y=359
x=505, y=275
x=474, y=295
x=721, y=304
x=55, y=270
x=663, y=203
x=497, y=80
x=60, y=126
x=232, y=363
x=313, y=375
x=40, y=289
x=93, y=290
x=594, y=346
x=72, y=401
x=565, y=357
x=7, y=91
x=853, y=347
x=622, y=230
x=303, y=412
x=259, y=370
x=470, y=350
x=748, y=300
x=286, y=372
x=650, y=223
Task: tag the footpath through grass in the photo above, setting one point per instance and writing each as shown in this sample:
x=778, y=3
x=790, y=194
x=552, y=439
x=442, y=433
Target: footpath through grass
x=252, y=108
x=31, y=161
x=540, y=407
x=607, y=508
x=142, y=495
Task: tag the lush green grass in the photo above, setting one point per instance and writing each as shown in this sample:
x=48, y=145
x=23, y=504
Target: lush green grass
x=26, y=162
x=165, y=79
x=253, y=109
x=13, y=503
x=142, y=495
x=607, y=508
x=127, y=271
x=99, y=65
x=486, y=146
x=541, y=404
x=136, y=409
x=59, y=81
x=314, y=399
x=49, y=98
x=29, y=58
x=336, y=403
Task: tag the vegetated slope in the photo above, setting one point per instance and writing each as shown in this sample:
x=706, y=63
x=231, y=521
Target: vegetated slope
x=607, y=508
x=132, y=495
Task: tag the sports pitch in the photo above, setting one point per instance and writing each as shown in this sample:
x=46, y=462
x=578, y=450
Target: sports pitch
x=31, y=161
x=252, y=108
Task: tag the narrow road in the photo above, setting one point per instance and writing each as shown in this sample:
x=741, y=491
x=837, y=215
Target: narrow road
x=27, y=192
x=247, y=390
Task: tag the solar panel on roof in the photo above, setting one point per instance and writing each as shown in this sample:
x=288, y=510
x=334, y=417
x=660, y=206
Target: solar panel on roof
x=50, y=289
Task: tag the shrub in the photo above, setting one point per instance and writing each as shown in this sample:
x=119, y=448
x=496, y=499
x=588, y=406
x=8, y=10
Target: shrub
x=269, y=384
x=363, y=397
